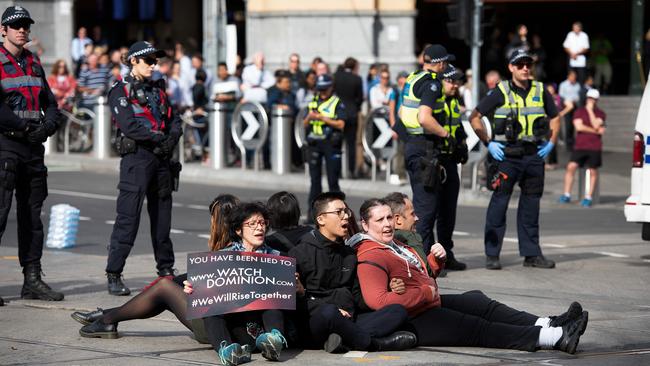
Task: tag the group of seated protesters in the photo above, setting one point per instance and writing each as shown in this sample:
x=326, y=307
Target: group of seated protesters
x=368, y=288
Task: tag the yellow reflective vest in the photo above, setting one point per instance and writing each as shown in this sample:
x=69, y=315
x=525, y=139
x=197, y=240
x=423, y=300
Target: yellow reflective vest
x=408, y=111
x=319, y=130
x=526, y=110
x=452, y=120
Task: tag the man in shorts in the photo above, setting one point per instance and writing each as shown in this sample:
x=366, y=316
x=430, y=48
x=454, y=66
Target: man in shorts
x=589, y=123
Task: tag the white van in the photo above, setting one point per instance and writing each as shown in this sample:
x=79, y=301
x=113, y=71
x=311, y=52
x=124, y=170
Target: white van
x=637, y=205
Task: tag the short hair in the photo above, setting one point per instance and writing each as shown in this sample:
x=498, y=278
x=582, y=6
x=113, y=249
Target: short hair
x=284, y=210
x=281, y=73
x=198, y=55
x=201, y=75
x=243, y=212
x=367, y=205
x=319, y=205
x=396, y=201
x=350, y=63
x=222, y=64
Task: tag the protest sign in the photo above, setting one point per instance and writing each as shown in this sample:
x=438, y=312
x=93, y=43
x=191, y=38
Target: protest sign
x=230, y=282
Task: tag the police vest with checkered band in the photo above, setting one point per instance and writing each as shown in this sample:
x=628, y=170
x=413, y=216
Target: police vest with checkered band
x=525, y=111
x=152, y=112
x=22, y=88
x=410, y=103
x=319, y=130
x=451, y=121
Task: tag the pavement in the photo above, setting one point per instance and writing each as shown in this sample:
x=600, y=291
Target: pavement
x=604, y=265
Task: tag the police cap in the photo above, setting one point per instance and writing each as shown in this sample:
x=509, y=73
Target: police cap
x=16, y=13
x=452, y=73
x=323, y=82
x=437, y=53
x=519, y=56
x=144, y=48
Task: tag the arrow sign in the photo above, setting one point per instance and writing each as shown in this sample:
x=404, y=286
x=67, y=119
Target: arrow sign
x=472, y=138
x=386, y=133
x=252, y=125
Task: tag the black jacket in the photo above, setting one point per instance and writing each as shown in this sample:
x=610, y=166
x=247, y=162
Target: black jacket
x=349, y=87
x=327, y=270
x=285, y=239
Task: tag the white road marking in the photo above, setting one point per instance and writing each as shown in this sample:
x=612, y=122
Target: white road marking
x=110, y=222
x=554, y=245
x=511, y=240
x=204, y=236
x=176, y=231
x=84, y=218
x=647, y=261
x=461, y=233
x=176, y=204
x=198, y=207
x=615, y=255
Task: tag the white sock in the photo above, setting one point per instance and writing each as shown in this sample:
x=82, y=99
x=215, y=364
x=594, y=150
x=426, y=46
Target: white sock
x=548, y=337
x=567, y=194
x=543, y=322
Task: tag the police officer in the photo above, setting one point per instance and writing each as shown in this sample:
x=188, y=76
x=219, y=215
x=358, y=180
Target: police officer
x=423, y=107
x=147, y=133
x=324, y=123
x=28, y=116
x=523, y=137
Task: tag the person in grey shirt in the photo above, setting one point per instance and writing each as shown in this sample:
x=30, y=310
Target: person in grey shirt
x=569, y=91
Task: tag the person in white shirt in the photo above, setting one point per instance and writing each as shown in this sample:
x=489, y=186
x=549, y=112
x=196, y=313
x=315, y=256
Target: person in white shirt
x=78, y=44
x=255, y=80
x=380, y=94
x=576, y=45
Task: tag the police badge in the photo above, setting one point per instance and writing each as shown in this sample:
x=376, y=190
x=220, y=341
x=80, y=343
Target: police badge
x=123, y=102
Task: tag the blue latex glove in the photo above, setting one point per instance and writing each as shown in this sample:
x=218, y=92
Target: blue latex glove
x=496, y=150
x=544, y=149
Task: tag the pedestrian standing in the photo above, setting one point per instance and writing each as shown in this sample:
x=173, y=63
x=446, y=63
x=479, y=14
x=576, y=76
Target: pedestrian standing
x=325, y=123
x=576, y=46
x=147, y=134
x=523, y=137
x=28, y=116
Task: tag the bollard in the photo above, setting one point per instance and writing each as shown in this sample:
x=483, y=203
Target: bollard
x=282, y=120
x=102, y=130
x=217, y=130
x=584, y=178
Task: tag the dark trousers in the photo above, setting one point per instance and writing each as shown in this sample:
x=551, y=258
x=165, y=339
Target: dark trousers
x=24, y=172
x=142, y=174
x=319, y=151
x=233, y=327
x=446, y=209
x=569, y=130
x=357, y=334
x=529, y=172
x=473, y=319
x=350, y=137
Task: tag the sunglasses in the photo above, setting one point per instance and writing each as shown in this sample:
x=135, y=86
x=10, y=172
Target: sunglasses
x=521, y=65
x=18, y=25
x=149, y=60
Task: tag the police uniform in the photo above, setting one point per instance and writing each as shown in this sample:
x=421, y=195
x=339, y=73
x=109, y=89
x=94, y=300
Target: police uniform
x=147, y=133
x=518, y=115
x=28, y=116
x=423, y=151
x=324, y=141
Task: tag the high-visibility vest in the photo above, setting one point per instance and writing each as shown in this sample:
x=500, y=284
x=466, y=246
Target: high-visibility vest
x=21, y=88
x=451, y=121
x=526, y=110
x=319, y=130
x=408, y=112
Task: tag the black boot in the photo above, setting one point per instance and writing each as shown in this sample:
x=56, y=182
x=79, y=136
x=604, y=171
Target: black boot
x=398, y=341
x=87, y=318
x=35, y=288
x=116, y=286
x=2, y=302
x=98, y=329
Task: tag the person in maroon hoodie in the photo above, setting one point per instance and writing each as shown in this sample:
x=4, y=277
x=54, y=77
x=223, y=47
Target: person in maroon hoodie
x=468, y=319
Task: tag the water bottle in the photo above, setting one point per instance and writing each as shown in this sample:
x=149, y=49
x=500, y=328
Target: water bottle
x=64, y=224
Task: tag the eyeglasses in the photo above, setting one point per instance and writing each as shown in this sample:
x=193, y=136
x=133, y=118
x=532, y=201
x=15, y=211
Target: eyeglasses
x=149, y=60
x=520, y=66
x=340, y=212
x=254, y=224
x=18, y=25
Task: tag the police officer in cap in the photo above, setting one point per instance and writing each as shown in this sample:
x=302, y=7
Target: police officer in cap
x=422, y=109
x=324, y=123
x=148, y=131
x=28, y=116
x=523, y=137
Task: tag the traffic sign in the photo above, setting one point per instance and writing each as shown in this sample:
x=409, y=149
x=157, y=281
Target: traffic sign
x=250, y=125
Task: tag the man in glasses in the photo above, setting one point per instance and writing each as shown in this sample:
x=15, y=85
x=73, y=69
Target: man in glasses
x=28, y=116
x=148, y=131
x=525, y=127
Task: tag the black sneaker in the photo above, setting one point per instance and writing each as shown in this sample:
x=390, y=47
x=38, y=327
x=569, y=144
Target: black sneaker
x=334, y=344
x=571, y=334
x=453, y=265
x=492, y=262
x=538, y=262
x=398, y=341
x=98, y=329
x=87, y=318
x=116, y=286
x=573, y=313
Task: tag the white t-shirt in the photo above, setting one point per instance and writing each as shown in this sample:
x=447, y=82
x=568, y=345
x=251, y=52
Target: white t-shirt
x=576, y=43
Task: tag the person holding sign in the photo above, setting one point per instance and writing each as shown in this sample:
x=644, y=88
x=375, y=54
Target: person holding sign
x=327, y=268
x=469, y=319
x=262, y=329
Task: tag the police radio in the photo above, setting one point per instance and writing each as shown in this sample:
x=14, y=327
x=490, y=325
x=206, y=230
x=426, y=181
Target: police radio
x=137, y=93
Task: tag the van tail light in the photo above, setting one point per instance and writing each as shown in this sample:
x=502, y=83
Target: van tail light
x=638, y=151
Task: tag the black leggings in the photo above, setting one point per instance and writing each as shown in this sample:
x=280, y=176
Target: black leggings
x=473, y=319
x=229, y=327
x=327, y=319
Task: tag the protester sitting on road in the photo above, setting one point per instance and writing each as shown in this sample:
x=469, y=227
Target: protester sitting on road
x=327, y=268
x=164, y=293
x=468, y=319
x=285, y=230
x=241, y=332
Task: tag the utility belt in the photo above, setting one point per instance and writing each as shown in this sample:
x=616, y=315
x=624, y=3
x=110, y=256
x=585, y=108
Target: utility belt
x=519, y=150
x=22, y=135
x=125, y=145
